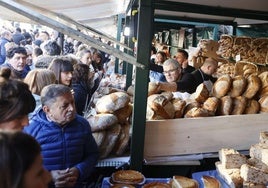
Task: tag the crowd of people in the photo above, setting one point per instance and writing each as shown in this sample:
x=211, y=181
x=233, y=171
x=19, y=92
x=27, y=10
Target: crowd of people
x=44, y=92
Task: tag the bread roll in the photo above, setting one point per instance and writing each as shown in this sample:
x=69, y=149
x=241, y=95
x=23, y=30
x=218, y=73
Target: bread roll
x=101, y=122
x=239, y=105
x=238, y=86
x=252, y=107
x=179, y=106
x=221, y=86
x=225, y=106
x=264, y=104
x=181, y=181
x=210, y=182
x=253, y=86
x=112, y=102
x=211, y=105
x=201, y=93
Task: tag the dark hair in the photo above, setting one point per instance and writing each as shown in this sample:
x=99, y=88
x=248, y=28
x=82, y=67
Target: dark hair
x=37, y=51
x=154, y=50
x=59, y=65
x=80, y=72
x=15, y=97
x=16, y=50
x=52, y=48
x=18, y=152
x=51, y=92
x=185, y=54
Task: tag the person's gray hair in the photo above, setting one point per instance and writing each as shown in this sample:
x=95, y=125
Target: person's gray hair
x=50, y=93
x=172, y=62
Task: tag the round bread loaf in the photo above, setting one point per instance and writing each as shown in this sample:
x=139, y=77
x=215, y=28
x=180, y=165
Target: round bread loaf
x=225, y=106
x=112, y=102
x=201, y=94
x=222, y=86
x=99, y=137
x=238, y=86
x=191, y=105
x=123, y=114
x=101, y=122
x=253, y=107
x=197, y=112
x=211, y=105
x=128, y=177
x=239, y=105
x=253, y=86
x=122, y=141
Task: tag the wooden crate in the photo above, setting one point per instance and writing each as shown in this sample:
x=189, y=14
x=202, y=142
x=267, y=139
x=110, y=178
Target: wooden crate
x=202, y=135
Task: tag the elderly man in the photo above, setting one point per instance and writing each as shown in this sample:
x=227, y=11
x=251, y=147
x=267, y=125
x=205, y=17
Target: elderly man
x=188, y=82
x=16, y=61
x=68, y=148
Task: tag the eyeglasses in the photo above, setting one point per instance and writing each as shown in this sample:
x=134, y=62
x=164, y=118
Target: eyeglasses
x=170, y=71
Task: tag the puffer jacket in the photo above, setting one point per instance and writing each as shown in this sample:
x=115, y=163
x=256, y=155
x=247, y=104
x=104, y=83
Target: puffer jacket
x=65, y=147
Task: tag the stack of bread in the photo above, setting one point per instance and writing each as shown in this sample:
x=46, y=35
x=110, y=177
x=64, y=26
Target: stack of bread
x=254, y=50
x=245, y=93
x=239, y=171
x=110, y=125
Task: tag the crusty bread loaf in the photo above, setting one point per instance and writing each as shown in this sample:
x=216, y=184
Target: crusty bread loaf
x=210, y=182
x=222, y=86
x=191, y=105
x=264, y=104
x=238, y=86
x=99, y=137
x=230, y=176
x=211, y=105
x=112, y=102
x=123, y=140
x=179, y=106
x=197, y=112
x=253, y=86
x=183, y=182
x=101, y=122
x=239, y=105
x=123, y=114
x=252, y=107
x=109, y=142
x=201, y=93
x=231, y=158
x=259, y=151
x=253, y=174
x=263, y=91
x=225, y=106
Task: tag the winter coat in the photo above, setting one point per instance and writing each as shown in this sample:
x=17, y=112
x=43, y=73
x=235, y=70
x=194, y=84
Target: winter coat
x=65, y=147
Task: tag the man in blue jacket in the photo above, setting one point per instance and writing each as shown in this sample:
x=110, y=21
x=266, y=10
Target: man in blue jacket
x=69, y=150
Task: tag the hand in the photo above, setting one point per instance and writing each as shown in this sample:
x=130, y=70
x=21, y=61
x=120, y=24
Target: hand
x=65, y=178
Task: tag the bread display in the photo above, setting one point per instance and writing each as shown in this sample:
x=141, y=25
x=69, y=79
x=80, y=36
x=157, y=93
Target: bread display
x=183, y=182
x=241, y=46
x=225, y=46
x=258, y=52
x=246, y=172
x=132, y=177
x=210, y=182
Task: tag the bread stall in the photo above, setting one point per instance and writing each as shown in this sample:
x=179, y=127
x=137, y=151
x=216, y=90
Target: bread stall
x=172, y=138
